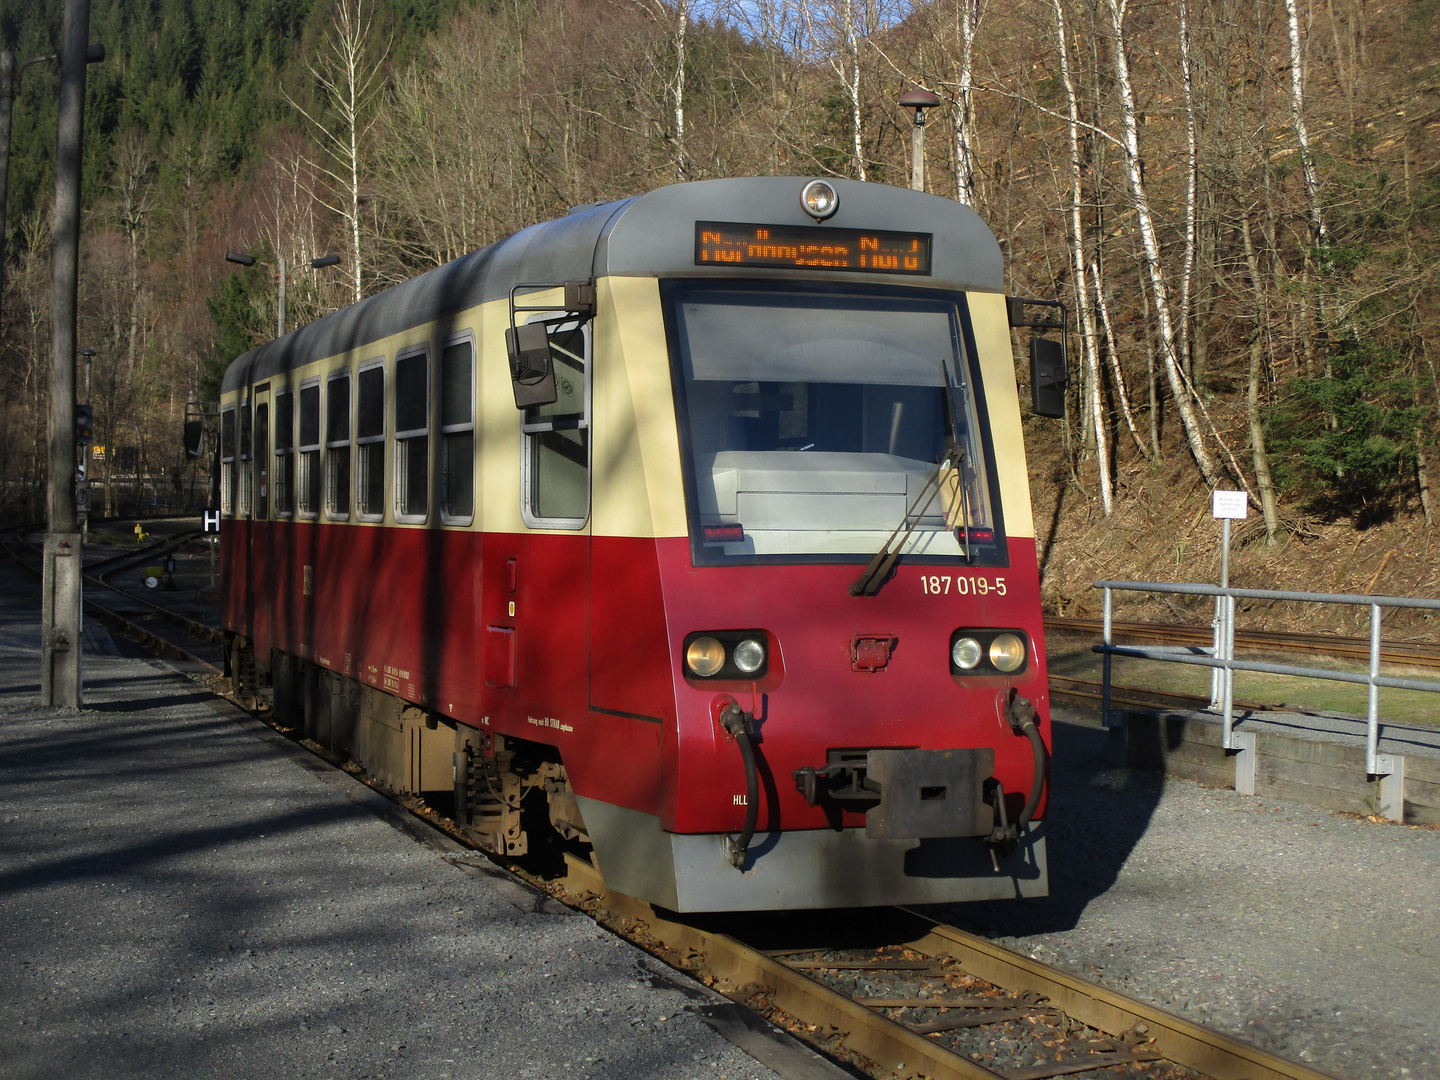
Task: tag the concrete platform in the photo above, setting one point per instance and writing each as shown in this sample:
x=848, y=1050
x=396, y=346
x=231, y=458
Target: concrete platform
x=1310, y=758
x=184, y=893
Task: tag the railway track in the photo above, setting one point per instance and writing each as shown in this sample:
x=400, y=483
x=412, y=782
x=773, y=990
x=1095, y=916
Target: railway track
x=153, y=625
x=1408, y=653
x=918, y=998
x=911, y=997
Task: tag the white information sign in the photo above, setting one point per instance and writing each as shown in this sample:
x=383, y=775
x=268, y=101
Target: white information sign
x=1229, y=504
x=212, y=521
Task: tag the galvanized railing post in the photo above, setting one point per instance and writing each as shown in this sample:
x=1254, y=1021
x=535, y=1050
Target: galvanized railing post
x=1372, y=712
x=1227, y=673
x=1105, y=681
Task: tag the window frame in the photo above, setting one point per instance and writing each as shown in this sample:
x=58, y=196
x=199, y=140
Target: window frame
x=228, y=468
x=411, y=434
x=329, y=445
x=286, y=509
x=558, y=322
x=301, y=449
x=363, y=441
x=968, y=372
x=464, y=337
x=245, y=438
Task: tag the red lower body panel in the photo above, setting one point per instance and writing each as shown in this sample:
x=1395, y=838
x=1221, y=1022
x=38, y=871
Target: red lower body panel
x=576, y=643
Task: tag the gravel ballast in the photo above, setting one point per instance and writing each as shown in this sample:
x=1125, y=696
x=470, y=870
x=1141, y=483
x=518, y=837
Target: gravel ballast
x=1314, y=935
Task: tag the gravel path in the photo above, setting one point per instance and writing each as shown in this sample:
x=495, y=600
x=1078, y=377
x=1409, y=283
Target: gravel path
x=180, y=898
x=1311, y=934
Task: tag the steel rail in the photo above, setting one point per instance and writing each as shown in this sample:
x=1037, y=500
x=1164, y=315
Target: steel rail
x=113, y=619
x=1413, y=654
x=1092, y=689
x=894, y=1047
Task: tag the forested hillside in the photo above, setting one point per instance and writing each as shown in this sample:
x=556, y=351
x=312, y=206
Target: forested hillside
x=1238, y=201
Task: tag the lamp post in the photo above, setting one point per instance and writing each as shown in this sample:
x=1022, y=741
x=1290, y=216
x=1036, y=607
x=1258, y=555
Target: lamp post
x=919, y=100
x=249, y=260
x=61, y=678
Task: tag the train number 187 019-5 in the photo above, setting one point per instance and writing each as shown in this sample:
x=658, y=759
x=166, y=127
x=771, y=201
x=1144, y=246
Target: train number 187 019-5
x=941, y=584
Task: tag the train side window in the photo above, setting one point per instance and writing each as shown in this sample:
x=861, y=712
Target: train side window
x=337, y=446
x=247, y=460
x=262, y=460
x=555, y=463
x=284, y=475
x=457, y=433
x=227, y=461
x=412, y=436
x=370, y=442
x=308, y=491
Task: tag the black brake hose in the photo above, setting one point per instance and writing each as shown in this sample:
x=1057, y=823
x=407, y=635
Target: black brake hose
x=1042, y=764
x=737, y=724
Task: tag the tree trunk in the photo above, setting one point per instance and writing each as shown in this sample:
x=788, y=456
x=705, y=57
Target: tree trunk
x=968, y=15
x=1258, y=452
x=1115, y=370
x=1178, y=388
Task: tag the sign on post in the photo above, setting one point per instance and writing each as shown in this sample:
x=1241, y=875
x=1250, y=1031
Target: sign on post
x=212, y=521
x=1229, y=505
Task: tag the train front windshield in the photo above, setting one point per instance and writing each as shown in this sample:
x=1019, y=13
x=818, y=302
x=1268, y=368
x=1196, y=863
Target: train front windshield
x=815, y=419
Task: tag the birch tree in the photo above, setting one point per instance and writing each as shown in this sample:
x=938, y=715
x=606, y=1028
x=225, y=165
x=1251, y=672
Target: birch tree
x=1155, y=270
x=348, y=75
x=1089, y=345
x=968, y=14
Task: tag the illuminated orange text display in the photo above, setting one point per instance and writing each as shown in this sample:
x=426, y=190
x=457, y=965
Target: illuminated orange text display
x=736, y=244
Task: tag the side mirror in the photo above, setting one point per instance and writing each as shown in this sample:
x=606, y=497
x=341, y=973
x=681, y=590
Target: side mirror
x=1048, y=377
x=194, y=438
x=531, y=375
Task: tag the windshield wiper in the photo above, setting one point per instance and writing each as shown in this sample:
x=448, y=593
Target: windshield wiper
x=879, y=567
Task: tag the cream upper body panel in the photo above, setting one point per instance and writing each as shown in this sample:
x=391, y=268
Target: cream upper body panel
x=991, y=325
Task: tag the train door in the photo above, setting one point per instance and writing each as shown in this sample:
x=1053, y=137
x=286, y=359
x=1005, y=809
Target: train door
x=260, y=556
x=537, y=602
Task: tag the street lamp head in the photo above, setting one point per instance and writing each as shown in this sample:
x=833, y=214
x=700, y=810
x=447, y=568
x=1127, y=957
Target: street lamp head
x=88, y=353
x=240, y=257
x=919, y=100
x=324, y=260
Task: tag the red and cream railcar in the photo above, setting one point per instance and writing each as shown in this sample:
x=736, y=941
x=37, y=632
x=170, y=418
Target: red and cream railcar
x=699, y=520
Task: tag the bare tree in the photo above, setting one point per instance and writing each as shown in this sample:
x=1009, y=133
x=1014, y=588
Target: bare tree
x=348, y=75
x=1179, y=387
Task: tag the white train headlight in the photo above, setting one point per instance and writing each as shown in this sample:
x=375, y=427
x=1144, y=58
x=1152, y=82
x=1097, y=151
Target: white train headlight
x=819, y=199
x=965, y=653
x=749, y=656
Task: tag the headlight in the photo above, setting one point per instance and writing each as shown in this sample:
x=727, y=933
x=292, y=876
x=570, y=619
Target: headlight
x=1007, y=653
x=705, y=656
x=819, y=199
x=965, y=653
x=749, y=655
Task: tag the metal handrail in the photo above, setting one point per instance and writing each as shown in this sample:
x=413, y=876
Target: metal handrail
x=1221, y=657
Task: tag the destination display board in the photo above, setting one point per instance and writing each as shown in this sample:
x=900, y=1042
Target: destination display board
x=738, y=244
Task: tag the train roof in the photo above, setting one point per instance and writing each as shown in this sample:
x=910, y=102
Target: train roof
x=647, y=236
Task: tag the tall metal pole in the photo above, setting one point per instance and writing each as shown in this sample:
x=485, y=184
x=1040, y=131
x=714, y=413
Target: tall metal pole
x=60, y=676
x=280, y=306
x=917, y=151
